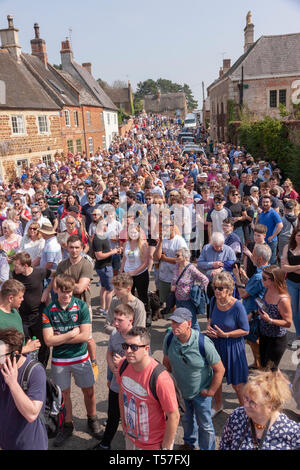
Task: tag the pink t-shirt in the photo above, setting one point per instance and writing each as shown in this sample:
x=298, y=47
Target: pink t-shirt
x=145, y=418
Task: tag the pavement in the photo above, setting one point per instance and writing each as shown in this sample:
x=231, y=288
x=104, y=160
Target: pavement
x=82, y=440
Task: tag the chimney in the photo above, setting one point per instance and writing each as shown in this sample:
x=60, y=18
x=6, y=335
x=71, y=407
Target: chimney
x=221, y=72
x=226, y=65
x=66, y=54
x=38, y=46
x=87, y=66
x=10, y=40
x=158, y=95
x=248, y=32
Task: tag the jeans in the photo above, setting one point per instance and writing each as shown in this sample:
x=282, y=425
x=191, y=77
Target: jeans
x=240, y=233
x=294, y=291
x=188, y=304
x=197, y=423
x=273, y=246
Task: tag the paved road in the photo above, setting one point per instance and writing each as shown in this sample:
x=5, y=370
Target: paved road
x=82, y=440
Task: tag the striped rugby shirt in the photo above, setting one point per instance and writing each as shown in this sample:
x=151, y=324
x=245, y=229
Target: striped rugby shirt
x=64, y=320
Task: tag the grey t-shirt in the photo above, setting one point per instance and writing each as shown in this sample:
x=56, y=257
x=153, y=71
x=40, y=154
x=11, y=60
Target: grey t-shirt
x=139, y=318
x=115, y=347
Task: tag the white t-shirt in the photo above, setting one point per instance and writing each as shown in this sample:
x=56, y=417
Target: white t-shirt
x=169, y=248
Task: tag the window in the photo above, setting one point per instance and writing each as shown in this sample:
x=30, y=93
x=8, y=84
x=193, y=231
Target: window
x=18, y=126
x=91, y=145
x=70, y=146
x=67, y=118
x=101, y=118
x=47, y=159
x=43, y=124
x=78, y=145
x=20, y=163
x=88, y=118
x=103, y=142
x=282, y=97
x=115, y=118
x=273, y=98
x=76, y=120
x=108, y=118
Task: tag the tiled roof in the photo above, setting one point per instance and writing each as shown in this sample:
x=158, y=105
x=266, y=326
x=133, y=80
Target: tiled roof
x=23, y=90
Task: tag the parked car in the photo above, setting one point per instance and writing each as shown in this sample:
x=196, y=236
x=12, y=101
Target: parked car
x=193, y=149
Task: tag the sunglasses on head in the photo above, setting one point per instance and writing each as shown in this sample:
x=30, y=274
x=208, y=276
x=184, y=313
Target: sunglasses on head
x=133, y=347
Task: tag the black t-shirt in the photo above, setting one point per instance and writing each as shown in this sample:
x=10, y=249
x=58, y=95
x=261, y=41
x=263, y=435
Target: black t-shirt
x=31, y=306
x=49, y=214
x=236, y=210
x=246, y=189
x=102, y=245
x=87, y=212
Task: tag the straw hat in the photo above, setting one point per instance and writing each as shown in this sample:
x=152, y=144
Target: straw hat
x=47, y=229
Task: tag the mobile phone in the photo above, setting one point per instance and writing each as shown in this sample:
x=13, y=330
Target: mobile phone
x=261, y=304
x=14, y=354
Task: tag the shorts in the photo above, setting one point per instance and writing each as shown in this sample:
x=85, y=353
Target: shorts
x=164, y=289
x=116, y=262
x=82, y=373
x=106, y=275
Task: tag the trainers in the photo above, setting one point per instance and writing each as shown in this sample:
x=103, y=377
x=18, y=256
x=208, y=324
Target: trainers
x=94, y=427
x=186, y=446
x=63, y=435
x=100, y=446
x=95, y=370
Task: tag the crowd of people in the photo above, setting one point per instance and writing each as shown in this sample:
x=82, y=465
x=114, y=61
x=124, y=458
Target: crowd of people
x=216, y=232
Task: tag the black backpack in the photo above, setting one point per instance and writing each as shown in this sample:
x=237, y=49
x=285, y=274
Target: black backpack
x=152, y=384
x=55, y=410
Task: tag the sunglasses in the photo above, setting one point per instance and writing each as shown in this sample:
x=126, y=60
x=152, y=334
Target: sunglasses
x=220, y=288
x=133, y=347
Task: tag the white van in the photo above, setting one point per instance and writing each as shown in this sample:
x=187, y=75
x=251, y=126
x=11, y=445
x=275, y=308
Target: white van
x=190, y=121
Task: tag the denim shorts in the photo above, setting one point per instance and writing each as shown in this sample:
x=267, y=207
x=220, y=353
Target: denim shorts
x=106, y=275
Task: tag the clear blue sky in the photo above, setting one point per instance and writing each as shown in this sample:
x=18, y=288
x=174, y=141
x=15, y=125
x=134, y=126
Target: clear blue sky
x=183, y=41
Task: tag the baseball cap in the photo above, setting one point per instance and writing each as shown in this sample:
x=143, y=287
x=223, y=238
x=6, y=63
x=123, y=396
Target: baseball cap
x=181, y=314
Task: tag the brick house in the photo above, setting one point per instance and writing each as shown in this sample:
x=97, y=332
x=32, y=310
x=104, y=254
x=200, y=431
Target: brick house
x=105, y=113
x=29, y=116
x=261, y=78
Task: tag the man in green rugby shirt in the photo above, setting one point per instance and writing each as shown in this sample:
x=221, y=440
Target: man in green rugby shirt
x=66, y=327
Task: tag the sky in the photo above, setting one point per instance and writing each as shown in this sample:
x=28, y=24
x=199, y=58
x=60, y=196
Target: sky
x=180, y=40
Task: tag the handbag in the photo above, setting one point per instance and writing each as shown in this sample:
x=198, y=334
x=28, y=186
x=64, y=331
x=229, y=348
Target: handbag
x=254, y=332
x=171, y=299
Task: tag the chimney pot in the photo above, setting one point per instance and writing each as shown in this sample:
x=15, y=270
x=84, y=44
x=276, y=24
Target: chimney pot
x=10, y=21
x=37, y=31
x=87, y=66
x=248, y=32
x=38, y=46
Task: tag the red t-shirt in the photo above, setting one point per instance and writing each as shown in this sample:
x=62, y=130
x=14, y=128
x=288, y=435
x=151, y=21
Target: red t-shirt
x=145, y=418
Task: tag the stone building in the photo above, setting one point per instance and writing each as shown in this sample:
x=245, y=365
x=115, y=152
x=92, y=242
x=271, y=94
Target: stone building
x=170, y=104
x=44, y=110
x=29, y=116
x=262, y=79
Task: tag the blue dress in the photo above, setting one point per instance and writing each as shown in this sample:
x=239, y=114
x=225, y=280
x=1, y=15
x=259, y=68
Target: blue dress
x=232, y=350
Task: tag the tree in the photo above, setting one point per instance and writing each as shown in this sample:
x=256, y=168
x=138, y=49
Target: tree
x=102, y=83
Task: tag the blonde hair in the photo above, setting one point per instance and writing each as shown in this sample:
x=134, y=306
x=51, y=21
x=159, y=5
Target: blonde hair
x=273, y=386
x=225, y=279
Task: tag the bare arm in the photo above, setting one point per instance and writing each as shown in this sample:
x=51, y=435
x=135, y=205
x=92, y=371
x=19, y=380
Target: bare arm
x=219, y=372
x=171, y=428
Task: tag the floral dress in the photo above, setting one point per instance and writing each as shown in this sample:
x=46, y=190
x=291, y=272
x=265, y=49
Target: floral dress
x=284, y=434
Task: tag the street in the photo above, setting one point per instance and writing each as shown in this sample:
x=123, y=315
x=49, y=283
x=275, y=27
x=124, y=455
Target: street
x=82, y=440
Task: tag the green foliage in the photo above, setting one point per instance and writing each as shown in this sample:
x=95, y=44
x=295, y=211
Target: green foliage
x=269, y=138
x=283, y=111
x=122, y=116
x=138, y=106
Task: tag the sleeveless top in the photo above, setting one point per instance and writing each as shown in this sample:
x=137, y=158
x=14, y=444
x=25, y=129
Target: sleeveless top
x=133, y=259
x=293, y=261
x=270, y=330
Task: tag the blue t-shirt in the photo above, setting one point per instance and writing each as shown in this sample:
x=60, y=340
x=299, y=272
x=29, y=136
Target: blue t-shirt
x=270, y=219
x=255, y=288
x=16, y=433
